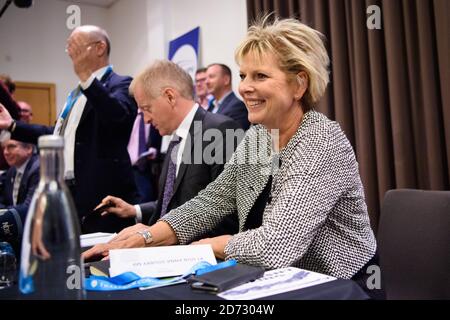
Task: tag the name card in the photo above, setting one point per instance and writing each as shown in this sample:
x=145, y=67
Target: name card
x=159, y=262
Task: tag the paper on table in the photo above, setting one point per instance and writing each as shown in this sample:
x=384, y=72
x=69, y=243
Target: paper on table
x=158, y=262
x=91, y=239
x=275, y=282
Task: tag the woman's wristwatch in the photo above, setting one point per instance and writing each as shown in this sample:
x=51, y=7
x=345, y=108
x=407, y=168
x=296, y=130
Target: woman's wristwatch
x=146, y=234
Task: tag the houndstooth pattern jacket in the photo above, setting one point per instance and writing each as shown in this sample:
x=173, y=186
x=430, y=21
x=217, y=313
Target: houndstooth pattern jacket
x=317, y=218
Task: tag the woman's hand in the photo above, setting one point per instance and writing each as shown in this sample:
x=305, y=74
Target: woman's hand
x=218, y=244
x=127, y=238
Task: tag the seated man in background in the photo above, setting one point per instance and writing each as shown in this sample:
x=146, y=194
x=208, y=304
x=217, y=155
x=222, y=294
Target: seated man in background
x=164, y=93
x=18, y=185
x=26, y=112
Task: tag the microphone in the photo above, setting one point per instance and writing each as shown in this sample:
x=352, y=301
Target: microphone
x=23, y=3
x=18, y=3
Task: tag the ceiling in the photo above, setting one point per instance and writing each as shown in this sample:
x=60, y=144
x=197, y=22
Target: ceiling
x=97, y=3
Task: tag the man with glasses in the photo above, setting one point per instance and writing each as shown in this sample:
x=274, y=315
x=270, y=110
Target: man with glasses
x=96, y=123
x=18, y=184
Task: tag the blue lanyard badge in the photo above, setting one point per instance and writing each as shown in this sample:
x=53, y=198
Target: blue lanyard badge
x=107, y=72
x=71, y=99
x=76, y=93
x=130, y=280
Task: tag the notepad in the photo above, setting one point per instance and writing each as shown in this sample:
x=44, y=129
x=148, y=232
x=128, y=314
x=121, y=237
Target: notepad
x=275, y=282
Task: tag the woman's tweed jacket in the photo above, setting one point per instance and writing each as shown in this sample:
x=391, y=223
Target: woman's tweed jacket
x=317, y=217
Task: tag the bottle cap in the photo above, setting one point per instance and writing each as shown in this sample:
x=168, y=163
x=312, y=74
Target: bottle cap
x=51, y=141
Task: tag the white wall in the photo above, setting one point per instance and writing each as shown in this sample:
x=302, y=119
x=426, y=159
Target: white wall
x=32, y=43
x=32, y=40
x=222, y=25
x=126, y=28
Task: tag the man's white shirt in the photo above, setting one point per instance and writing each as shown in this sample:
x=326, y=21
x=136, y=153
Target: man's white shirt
x=72, y=124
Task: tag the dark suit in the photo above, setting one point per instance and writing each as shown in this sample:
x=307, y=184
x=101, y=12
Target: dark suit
x=144, y=169
x=192, y=177
x=101, y=162
x=13, y=220
x=234, y=108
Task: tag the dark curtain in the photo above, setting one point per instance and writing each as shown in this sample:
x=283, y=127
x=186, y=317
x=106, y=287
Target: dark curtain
x=390, y=88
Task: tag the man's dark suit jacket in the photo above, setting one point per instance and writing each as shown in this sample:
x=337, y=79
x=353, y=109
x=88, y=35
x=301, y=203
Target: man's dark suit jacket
x=102, y=165
x=13, y=220
x=192, y=178
x=235, y=109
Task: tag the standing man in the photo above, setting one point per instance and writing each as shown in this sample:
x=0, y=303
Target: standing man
x=225, y=101
x=164, y=94
x=96, y=123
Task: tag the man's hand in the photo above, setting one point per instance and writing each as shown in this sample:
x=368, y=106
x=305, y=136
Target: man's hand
x=118, y=207
x=129, y=232
x=152, y=153
x=5, y=118
x=163, y=235
x=127, y=238
x=81, y=54
x=97, y=252
x=218, y=244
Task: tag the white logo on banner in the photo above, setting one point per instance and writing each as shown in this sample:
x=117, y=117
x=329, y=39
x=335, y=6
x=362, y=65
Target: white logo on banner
x=186, y=58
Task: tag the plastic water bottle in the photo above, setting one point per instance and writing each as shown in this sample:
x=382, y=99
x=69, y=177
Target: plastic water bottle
x=51, y=266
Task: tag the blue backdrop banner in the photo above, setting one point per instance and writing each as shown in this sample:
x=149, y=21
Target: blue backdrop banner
x=184, y=51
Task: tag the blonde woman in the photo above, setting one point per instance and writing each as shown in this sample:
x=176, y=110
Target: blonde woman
x=293, y=180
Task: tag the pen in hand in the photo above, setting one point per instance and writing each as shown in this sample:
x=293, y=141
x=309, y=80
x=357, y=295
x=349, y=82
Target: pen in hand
x=101, y=209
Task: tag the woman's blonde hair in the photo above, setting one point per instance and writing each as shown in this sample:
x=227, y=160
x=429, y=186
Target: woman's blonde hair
x=297, y=48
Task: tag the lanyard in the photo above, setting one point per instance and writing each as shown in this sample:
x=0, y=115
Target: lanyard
x=71, y=99
x=130, y=280
x=76, y=93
